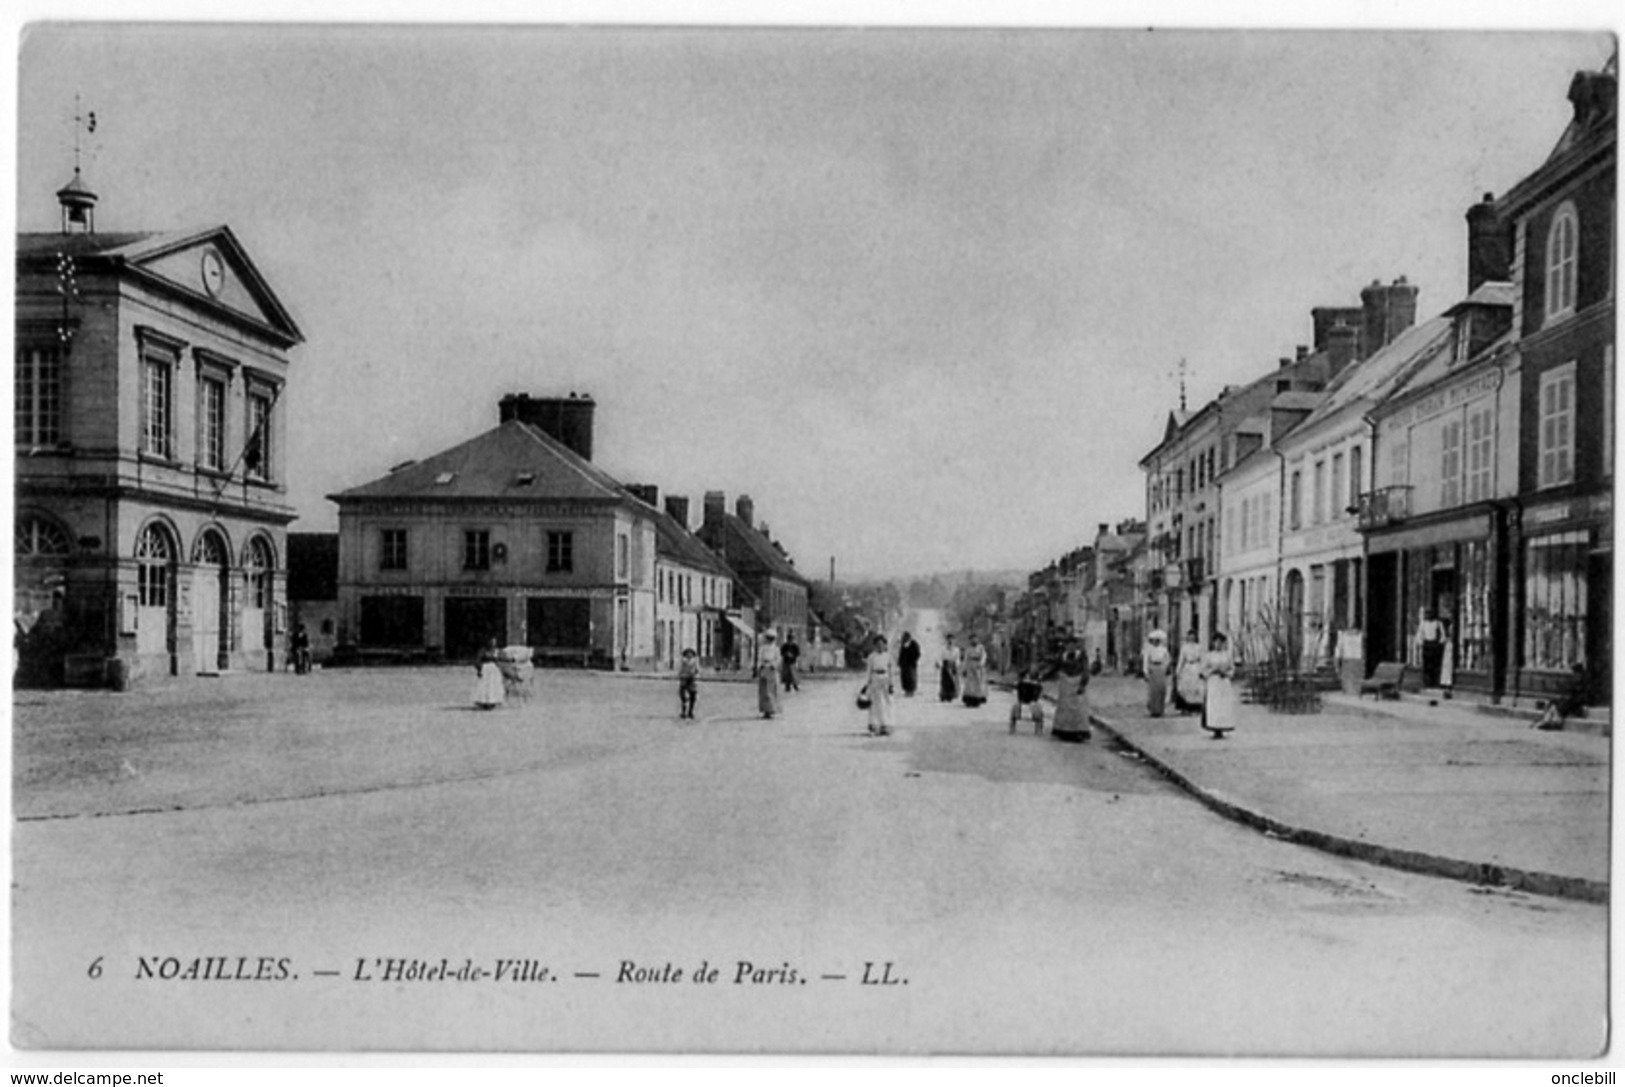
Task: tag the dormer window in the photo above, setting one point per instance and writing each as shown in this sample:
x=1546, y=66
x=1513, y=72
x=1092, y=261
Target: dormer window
x=1562, y=252
x=525, y=479
x=444, y=478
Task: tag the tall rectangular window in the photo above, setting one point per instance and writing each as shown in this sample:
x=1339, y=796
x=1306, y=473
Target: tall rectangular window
x=211, y=423
x=1295, y=500
x=1356, y=475
x=476, y=549
x=1320, y=491
x=392, y=549
x=623, y=555
x=1335, y=501
x=1450, y=464
x=1480, y=453
x=1557, y=426
x=257, y=452
x=157, y=375
x=560, y=552
x=38, y=388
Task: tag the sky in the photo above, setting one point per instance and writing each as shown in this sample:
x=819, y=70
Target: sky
x=922, y=293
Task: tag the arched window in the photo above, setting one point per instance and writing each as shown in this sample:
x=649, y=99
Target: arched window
x=1562, y=253
x=153, y=555
x=37, y=537
x=210, y=550
x=259, y=563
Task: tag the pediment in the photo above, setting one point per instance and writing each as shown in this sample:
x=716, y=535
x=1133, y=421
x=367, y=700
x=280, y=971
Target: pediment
x=213, y=266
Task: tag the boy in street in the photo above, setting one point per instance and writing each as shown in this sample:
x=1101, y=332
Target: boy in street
x=688, y=683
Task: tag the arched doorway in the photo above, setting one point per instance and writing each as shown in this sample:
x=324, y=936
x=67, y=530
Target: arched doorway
x=155, y=554
x=1294, y=617
x=259, y=565
x=211, y=563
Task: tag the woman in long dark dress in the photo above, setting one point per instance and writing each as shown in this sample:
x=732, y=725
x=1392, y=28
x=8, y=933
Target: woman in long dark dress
x=1071, y=701
x=908, y=663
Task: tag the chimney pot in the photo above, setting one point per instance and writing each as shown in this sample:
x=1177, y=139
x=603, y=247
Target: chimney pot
x=745, y=509
x=565, y=420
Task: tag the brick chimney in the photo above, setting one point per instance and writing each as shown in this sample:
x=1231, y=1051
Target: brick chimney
x=746, y=510
x=716, y=504
x=1489, y=245
x=567, y=420
x=677, y=508
x=1342, y=342
x=647, y=493
x=1388, y=311
x=1327, y=318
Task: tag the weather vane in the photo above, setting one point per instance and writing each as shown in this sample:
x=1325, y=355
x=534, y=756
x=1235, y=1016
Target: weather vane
x=1182, y=371
x=82, y=122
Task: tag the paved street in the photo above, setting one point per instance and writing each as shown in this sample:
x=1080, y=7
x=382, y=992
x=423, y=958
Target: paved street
x=1028, y=896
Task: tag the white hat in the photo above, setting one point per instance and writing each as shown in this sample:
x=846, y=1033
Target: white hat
x=1157, y=636
x=769, y=635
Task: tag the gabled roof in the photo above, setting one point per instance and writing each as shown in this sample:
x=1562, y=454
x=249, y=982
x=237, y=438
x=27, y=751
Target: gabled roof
x=762, y=553
x=513, y=462
x=1372, y=380
x=155, y=260
x=676, y=543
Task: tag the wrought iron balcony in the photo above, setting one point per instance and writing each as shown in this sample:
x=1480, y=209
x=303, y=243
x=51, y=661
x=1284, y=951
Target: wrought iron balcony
x=1384, y=506
x=1193, y=573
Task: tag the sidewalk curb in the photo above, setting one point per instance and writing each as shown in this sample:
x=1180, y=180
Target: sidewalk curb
x=1407, y=860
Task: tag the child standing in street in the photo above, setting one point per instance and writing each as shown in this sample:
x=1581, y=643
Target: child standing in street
x=688, y=683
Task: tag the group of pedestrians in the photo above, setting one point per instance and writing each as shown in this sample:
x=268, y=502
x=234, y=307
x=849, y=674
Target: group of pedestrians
x=1202, y=681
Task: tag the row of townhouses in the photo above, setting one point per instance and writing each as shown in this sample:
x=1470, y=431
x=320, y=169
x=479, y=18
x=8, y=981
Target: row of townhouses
x=152, y=513
x=1395, y=473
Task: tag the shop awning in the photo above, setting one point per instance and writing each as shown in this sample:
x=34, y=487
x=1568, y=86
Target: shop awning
x=741, y=627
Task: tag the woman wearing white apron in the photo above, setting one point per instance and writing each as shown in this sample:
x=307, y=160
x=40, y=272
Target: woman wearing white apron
x=882, y=679
x=1219, y=693
x=488, y=688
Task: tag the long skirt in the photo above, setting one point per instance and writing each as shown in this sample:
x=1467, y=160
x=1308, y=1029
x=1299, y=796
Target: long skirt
x=882, y=714
x=488, y=689
x=1071, y=712
x=975, y=684
x=1219, y=704
x=1188, y=689
x=1432, y=663
x=910, y=675
x=1156, y=684
x=767, y=691
x=950, y=682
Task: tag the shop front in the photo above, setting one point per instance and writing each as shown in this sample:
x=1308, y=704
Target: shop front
x=1565, y=598
x=1451, y=570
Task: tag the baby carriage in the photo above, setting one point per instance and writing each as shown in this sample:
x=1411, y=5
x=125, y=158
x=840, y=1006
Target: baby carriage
x=516, y=667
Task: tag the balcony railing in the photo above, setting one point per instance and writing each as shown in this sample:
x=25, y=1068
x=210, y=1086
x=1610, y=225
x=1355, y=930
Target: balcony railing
x=1193, y=573
x=1384, y=506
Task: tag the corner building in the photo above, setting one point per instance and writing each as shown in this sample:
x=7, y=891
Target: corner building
x=149, y=434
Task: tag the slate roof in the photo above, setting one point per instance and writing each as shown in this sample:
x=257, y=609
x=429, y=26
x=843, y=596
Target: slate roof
x=676, y=543
x=760, y=550
x=1374, y=379
x=495, y=465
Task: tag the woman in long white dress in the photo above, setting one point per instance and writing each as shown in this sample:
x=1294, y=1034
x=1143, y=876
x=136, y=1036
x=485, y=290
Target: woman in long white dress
x=1154, y=664
x=489, y=691
x=1188, y=685
x=879, y=686
x=974, y=679
x=1219, y=691
x=768, y=663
